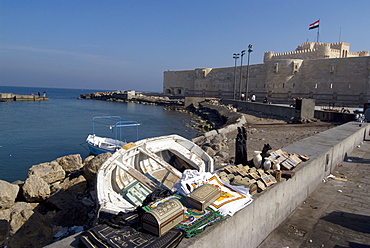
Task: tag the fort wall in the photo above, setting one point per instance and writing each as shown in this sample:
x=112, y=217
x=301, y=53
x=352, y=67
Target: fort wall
x=328, y=73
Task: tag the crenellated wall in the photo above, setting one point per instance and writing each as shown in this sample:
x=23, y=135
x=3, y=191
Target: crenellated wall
x=317, y=50
x=326, y=72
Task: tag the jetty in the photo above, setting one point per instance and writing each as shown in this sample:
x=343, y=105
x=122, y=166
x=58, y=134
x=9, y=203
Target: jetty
x=10, y=97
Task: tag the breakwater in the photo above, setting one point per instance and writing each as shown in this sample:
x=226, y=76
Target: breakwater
x=134, y=97
x=10, y=97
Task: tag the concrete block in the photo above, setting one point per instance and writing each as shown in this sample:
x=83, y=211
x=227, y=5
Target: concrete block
x=227, y=129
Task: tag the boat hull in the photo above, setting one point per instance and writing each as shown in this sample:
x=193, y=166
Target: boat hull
x=98, y=145
x=125, y=179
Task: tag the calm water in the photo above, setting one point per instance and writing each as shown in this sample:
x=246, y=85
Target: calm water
x=37, y=132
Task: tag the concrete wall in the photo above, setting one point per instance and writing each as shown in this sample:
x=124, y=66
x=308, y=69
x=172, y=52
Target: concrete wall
x=263, y=108
x=285, y=111
x=250, y=226
x=305, y=108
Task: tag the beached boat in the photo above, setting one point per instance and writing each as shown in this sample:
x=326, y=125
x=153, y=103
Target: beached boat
x=98, y=144
x=126, y=178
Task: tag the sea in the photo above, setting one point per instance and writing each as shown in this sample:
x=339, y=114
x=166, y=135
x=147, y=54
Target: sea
x=38, y=132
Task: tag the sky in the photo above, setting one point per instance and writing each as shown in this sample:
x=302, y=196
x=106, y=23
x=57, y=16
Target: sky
x=128, y=44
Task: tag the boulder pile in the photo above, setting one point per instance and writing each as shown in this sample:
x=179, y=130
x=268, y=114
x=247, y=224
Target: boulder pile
x=56, y=199
x=216, y=142
x=137, y=97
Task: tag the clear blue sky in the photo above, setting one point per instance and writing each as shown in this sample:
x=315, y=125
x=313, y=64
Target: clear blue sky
x=128, y=44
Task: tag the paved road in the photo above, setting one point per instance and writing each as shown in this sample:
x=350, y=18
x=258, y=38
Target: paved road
x=336, y=215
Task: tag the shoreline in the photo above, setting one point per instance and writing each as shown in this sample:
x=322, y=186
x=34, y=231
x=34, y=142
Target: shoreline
x=74, y=188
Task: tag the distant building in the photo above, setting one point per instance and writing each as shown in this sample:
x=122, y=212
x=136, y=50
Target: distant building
x=328, y=73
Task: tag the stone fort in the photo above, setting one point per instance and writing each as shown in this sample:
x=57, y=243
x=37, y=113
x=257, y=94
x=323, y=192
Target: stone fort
x=326, y=72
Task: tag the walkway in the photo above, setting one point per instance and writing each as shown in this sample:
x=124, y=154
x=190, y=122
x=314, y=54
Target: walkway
x=336, y=215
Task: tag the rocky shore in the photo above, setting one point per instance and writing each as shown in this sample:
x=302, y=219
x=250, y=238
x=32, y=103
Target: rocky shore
x=134, y=97
x=58, y=198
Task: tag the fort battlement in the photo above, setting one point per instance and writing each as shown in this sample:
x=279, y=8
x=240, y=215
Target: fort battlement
x=316, y=50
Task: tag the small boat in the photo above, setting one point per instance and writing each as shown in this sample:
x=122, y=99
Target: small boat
x=98, y=144
x=126, y=178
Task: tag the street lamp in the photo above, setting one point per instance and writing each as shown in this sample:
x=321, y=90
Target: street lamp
x=246, y=86
x=235, y=56
x=241, y=70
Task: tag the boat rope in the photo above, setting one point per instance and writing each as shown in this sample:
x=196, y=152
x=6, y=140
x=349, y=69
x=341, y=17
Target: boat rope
x=83, y=144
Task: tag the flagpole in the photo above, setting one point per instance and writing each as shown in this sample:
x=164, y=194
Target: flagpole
x=340, y=33
x=318, y=31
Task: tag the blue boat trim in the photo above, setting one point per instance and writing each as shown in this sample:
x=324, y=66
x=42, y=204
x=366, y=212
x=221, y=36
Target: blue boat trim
x=116, y=124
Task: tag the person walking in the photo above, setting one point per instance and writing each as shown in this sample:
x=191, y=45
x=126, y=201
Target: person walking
x=253, y=98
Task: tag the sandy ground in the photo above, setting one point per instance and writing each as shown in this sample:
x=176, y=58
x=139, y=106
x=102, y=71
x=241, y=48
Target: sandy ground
x=262, y=129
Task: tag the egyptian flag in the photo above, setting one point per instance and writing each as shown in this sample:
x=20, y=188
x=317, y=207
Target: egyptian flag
x=314, y=25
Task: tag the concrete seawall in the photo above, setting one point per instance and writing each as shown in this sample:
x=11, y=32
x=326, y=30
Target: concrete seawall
x=285, y=111
x=250, y=226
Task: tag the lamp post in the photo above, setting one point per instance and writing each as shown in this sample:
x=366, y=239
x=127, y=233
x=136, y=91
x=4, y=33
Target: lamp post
x=246, y=85
x=235, y=56
x=241, y=70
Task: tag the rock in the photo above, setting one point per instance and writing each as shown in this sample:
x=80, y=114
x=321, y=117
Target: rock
x=89, y=158
x=91, y=167
x=35, y=189
x=211, y=134
x=69, y=210
x=55, y=187
x=71, y=162
x=61, y=200
x=20, y=213
x=74, y=185
x=209, y=151
x=5, y=214
x=4, y=230
x=200, y=140
x=223, y=155
x=29, y=228
x=218, y=139
x=8, y=194
x=4, y=224
x=49, y=172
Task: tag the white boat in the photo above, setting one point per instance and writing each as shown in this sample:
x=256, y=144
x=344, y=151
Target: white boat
x=126, y=178
x=98, y=144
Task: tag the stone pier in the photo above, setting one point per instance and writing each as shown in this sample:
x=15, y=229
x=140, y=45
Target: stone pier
x=10, y=97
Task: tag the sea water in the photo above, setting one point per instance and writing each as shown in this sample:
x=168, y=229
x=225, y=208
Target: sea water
x=38, y=132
